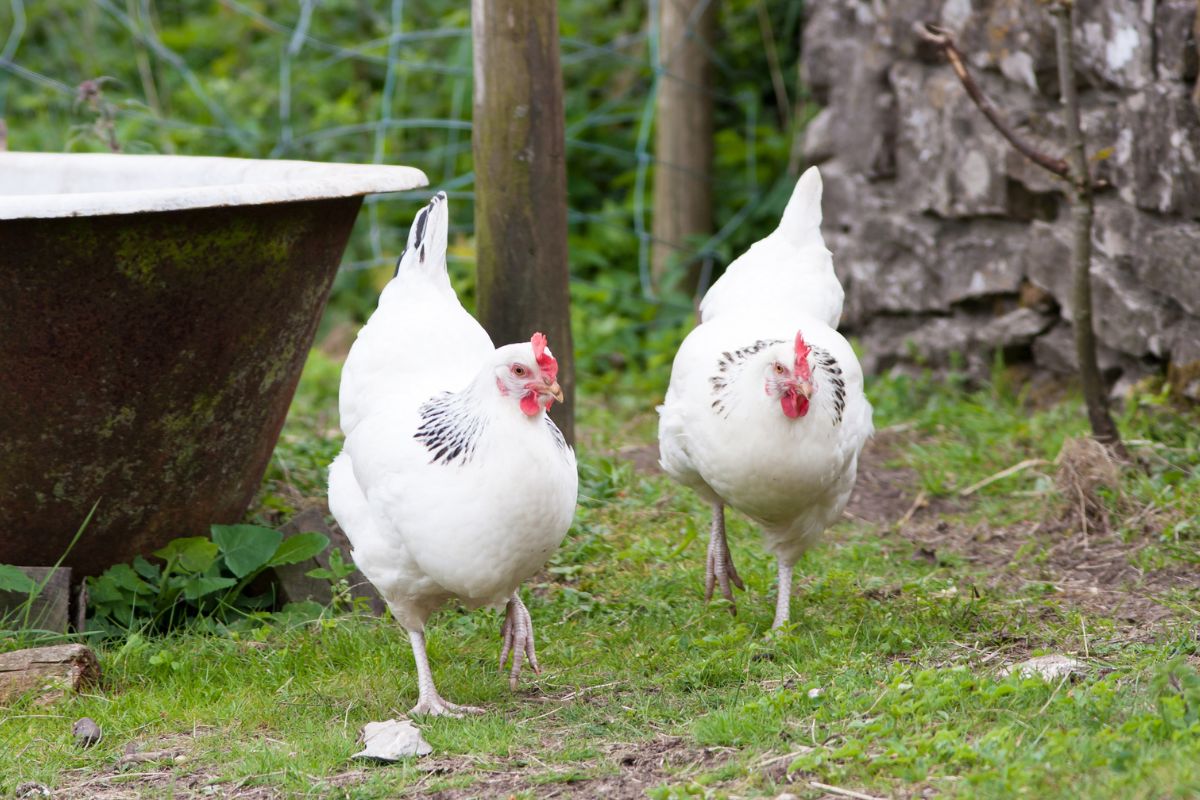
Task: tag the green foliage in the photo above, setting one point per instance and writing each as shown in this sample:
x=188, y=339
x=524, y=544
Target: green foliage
x=13, y=580
x=199, y=578
x=337, y=573
x=26, y=590
x=246, y=548
x=201, y=78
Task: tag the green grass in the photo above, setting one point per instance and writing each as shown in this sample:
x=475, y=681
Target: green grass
x=885, y=683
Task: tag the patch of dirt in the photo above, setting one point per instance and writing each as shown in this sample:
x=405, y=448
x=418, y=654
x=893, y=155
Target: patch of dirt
x=152, y=769
x=628, y=772
x=889, y=495
x=1094, y=573
x=1071, y=548
x=622, y=772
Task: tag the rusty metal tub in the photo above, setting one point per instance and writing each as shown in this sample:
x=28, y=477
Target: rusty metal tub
x=155, y=313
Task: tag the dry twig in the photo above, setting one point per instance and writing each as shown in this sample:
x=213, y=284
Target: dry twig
x=941, y=38
x=841, y=792
x=1004, y=473
x=917, y=502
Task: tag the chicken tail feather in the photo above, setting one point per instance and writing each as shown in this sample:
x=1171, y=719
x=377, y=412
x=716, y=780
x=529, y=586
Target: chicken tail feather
x=426, y=248
x=801, y=223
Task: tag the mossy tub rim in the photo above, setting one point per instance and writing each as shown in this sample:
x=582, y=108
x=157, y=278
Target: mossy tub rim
x=51, y=185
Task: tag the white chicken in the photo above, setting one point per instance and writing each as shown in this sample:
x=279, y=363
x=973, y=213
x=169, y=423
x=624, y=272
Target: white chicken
x=453, y=482
x=765, y=411
x=787, y=271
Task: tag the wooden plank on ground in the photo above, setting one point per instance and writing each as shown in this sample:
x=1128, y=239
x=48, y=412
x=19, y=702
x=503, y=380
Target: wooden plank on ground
x=48, y=671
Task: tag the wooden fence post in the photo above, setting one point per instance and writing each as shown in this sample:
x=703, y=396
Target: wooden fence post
x=683, y=135
x=521, y=182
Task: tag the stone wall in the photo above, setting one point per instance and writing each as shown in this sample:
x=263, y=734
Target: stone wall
x=949, y=241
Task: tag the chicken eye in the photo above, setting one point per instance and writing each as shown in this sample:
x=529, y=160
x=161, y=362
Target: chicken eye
x=519, y=371
x=779, y=370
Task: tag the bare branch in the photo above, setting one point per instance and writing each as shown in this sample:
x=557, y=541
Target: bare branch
x=1082, y=211
x=941, y=38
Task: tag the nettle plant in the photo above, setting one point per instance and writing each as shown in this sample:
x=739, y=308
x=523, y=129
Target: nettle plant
x=200, y=577
x=338, y=573
x=13, y=580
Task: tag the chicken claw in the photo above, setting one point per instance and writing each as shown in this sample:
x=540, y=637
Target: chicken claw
x=430, y=702
x=719, y=568
x=437, y=706
x=783, y=596
x=517, y=636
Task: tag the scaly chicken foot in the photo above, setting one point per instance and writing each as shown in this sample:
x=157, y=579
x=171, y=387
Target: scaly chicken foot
x=517, y=636
x=719, y=569
x=429, y=701
x=783, y=597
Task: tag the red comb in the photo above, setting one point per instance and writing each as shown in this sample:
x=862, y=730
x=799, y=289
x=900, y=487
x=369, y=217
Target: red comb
x=803, y=371
x=544, y=360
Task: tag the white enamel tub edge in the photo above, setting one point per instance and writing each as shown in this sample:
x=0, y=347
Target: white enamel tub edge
x=50, y=185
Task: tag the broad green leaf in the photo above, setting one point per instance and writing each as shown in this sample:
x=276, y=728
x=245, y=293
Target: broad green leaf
x=199, y=587
x=147, y=570
x=256, y=603
x=133, y=643
x=340, y=567
x=122, y=614
x=191, y=553
x=13, y=580
x=299, y=613
x=103, y=591
x=300, y=547
x=246, y=548
x=123, y=576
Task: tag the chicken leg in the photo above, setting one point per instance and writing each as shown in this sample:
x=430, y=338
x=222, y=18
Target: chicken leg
x=719, y=569
x=517, y=636
x=783, y=599
x=429, y=701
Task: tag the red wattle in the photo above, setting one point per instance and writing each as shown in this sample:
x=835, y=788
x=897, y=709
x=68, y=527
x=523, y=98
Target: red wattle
x=529, y=404
x=794, y=404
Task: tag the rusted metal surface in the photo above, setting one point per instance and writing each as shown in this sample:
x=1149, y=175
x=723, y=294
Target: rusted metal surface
x=147, y=362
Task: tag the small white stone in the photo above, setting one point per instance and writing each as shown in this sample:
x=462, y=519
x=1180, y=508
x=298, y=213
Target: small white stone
x=816, y=692
x=1052, y=667
x=392, y=741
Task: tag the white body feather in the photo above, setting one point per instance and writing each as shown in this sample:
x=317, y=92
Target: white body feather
x=789, y=271
x=420, y=340
x=426, y=531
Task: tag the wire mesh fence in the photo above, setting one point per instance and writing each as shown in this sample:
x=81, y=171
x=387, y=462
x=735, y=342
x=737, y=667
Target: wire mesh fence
x=390, y=81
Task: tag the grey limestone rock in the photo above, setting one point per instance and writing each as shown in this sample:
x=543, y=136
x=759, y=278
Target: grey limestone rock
x=942, y=233
x=1158, y=151
x=1175, y=39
